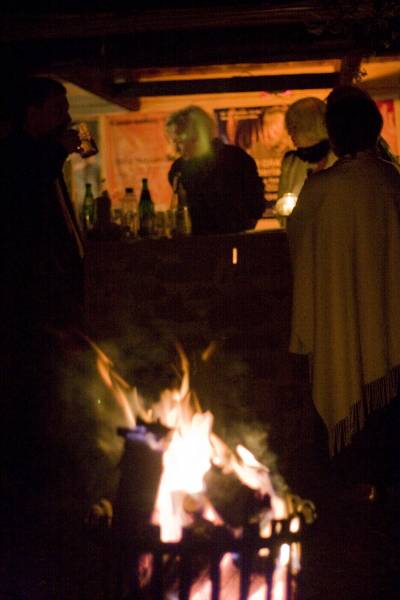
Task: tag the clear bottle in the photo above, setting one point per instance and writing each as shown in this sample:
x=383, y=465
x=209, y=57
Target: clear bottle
x=129, y=212
x=146, y=211
x=183, y=222
x=88, y=209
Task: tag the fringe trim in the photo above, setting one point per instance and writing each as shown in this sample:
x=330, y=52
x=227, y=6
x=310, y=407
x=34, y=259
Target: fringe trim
x=377, y=395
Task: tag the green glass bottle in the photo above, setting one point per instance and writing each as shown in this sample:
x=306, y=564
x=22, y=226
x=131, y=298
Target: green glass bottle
x=88, y=209
x=146, y=211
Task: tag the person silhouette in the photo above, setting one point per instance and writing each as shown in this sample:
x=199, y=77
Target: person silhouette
x=223, y=189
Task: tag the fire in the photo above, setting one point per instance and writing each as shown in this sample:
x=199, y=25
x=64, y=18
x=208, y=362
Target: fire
x=185, y=463
x=191, y=449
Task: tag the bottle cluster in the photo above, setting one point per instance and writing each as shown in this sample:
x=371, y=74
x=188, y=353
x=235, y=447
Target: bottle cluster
x=134, y=218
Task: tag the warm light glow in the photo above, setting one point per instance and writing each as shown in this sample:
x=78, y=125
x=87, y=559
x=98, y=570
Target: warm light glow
x=294, y=526
x=279, y=591
x=258, y=594
x=295, y=562
x=284, y=555
x=265, y=528
x=285, y=204
x=278, y=527
x=234, y=256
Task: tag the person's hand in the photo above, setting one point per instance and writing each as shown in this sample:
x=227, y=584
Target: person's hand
x=70, y=140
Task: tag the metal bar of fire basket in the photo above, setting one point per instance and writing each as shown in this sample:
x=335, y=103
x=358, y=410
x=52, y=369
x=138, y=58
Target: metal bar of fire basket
x=134, y=577
x=273, y=545
x=157, y=591
x=289, y=588
x=269, y=572
x=216, y=555
x=250, y=534
x=185, y=580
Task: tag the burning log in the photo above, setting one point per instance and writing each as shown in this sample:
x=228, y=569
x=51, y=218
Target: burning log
x=235, y=502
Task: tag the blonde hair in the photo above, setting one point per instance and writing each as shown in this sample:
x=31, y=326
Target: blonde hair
x=307, y=117
x=193, y=118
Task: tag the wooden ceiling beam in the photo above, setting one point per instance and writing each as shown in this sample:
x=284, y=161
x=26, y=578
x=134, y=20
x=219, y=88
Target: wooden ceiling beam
x=95, y=23
x=98, y=82
x=269, y=83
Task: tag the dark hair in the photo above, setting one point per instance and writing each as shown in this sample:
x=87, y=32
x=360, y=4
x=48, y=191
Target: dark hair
x=31, y=91
x=353, y=120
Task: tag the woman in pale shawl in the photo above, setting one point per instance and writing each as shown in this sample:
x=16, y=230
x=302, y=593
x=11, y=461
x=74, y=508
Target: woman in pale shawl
x=344, y=236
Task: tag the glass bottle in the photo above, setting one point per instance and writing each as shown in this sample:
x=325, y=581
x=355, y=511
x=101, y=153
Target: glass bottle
x=129, y=214
x=103, y=210
x=88, y=209
x=146, y=211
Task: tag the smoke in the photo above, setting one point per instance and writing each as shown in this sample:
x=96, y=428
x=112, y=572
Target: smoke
x=84, y=420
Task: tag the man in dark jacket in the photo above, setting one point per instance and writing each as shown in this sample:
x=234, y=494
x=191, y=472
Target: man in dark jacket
x=42, y=259
x=223, y=189
x=42, y=246
x=41, y=301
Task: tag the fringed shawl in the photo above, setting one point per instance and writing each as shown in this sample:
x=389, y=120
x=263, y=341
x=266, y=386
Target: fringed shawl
x=344, y=237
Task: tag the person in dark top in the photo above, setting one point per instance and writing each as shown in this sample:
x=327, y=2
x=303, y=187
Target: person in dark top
x=40, y=235
x=223, y=189
x=42, y=263
x=41, y=491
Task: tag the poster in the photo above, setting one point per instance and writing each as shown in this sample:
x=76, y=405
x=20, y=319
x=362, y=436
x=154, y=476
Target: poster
x=135, y=146
x=78, y=171
x=262, y=133
x=389, y=131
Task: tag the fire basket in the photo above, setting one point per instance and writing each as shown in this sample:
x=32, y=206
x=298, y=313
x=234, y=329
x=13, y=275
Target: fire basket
x=253, y=560
x=193, y=518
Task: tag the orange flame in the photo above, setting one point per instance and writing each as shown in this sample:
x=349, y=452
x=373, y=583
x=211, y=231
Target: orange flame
x=191, y=450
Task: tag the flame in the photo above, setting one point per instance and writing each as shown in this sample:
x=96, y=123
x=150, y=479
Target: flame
x=185, y=463
x=127, y=397
x=191, y=449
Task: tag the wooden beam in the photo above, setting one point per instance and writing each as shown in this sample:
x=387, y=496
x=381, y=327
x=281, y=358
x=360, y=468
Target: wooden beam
x=273, y=83
x=94, y=23
x=97, y=81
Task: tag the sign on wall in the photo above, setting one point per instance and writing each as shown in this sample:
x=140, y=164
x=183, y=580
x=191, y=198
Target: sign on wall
x=261, y=132
x=135, y=146
x=389, y=130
